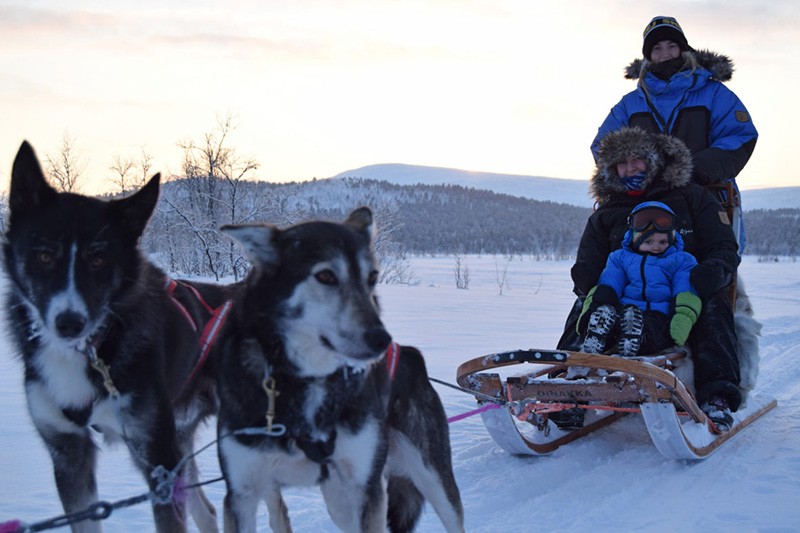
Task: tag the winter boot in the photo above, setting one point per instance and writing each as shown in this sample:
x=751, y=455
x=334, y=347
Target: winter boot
x=631, y=326
x=717, y=410
x=601, y=324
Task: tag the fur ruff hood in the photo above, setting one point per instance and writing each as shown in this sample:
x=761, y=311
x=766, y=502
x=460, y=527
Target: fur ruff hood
x=669, y=162
x=720, y=66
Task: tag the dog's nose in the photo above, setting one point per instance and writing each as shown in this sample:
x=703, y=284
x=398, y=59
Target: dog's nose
x=377, y=338
x=70, y=324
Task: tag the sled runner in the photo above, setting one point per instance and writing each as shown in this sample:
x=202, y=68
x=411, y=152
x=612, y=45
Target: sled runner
x=613, y=387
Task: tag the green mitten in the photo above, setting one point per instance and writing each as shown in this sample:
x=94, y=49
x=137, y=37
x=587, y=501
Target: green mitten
x=583, y=318
x=687, y=309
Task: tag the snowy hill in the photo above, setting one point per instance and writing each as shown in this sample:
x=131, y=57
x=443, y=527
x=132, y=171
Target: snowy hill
x=775, y=198
x=565, y=191
x=562, y=191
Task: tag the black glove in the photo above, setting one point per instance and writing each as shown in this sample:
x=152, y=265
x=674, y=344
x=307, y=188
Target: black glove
x=707, y=279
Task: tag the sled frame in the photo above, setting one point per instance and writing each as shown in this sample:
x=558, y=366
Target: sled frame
x=646, y=382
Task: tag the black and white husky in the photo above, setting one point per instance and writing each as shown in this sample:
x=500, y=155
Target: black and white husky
x=310, y=396
x=106, y=351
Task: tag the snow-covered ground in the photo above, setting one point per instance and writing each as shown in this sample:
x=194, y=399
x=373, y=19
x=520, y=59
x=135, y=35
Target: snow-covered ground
x=613, y=480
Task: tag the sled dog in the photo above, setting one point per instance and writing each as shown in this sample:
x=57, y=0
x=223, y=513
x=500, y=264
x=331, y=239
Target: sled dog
x=105, y=351
x=307, y=395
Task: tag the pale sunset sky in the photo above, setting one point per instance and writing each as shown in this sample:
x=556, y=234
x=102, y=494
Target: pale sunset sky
x=317, y=87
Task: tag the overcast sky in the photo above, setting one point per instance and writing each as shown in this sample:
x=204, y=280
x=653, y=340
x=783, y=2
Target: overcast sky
x=317, y=87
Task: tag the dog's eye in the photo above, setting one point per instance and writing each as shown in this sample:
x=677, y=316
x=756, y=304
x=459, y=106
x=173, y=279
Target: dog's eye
x=44, y=257
x=326, y=277
x=96, y=262
x=372, y=279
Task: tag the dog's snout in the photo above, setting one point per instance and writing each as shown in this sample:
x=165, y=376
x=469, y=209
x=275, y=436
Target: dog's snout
x=377, y=338
x=70, y=324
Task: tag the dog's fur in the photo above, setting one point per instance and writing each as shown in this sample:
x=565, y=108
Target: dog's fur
x=77, y=280
x=307, y=318
x=748, y=330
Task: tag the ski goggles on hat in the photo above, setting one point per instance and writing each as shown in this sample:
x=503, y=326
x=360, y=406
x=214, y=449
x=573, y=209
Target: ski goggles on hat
x=652, y=217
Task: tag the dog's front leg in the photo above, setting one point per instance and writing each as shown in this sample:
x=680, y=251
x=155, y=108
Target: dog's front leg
x=278, y=512
x=74, y=456
x=240, y=513
x=197, y=503
x=353, y=505
x=152, y=441
x=72, y=451
x=248, y=480
x=355, y=491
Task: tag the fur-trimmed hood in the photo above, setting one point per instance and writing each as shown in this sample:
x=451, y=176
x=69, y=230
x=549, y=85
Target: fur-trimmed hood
x=720, y=66
x=668, y=159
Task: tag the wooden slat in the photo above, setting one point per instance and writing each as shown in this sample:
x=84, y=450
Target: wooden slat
x=578, y=391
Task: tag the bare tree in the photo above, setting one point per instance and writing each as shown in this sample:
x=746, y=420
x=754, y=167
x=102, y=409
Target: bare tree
x=144, y=166
x=130, y=174
x=394, y=265
x=461, y=272
x=211, y=192
x=501, y=272
x=65, y=168
x=121, y=168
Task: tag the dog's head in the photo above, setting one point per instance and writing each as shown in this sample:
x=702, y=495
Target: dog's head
x=69, y=255
x=313, y=284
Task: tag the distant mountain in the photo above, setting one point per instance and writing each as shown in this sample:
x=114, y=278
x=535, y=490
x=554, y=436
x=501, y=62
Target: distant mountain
x=574, y=192
x=774, y=198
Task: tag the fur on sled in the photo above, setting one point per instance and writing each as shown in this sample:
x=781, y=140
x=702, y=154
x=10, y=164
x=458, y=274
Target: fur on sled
x=748, y=331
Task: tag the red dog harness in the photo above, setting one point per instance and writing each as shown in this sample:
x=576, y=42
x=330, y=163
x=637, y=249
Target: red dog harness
x=210, y=330
x=392, y=358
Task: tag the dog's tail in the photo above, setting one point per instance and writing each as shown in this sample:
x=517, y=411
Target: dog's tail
x=405, y=504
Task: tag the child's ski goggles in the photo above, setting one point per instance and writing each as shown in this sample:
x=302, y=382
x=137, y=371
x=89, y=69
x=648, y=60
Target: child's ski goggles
x=652, y=216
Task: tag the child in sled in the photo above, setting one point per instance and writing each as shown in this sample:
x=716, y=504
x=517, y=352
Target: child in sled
x=643, y=300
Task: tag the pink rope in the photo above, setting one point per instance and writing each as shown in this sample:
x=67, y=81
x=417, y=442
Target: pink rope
x=487, y=407
x=10, y=527
x=179, y=491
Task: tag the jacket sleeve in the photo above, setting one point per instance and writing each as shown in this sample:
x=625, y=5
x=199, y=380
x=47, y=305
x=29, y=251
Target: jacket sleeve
x=681, y=278
x=592, y=255
x=716, y=243
x=732, y=138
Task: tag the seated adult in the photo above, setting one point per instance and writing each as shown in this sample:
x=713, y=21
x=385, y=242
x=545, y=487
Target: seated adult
x=635, y=166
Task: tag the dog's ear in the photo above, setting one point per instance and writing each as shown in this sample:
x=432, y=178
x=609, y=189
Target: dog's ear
x=361, y=219
x=29, y=188
x=135, y=210
x=258, y=241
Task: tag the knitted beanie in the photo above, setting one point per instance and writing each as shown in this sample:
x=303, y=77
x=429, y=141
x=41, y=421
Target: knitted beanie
x=663, y=29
